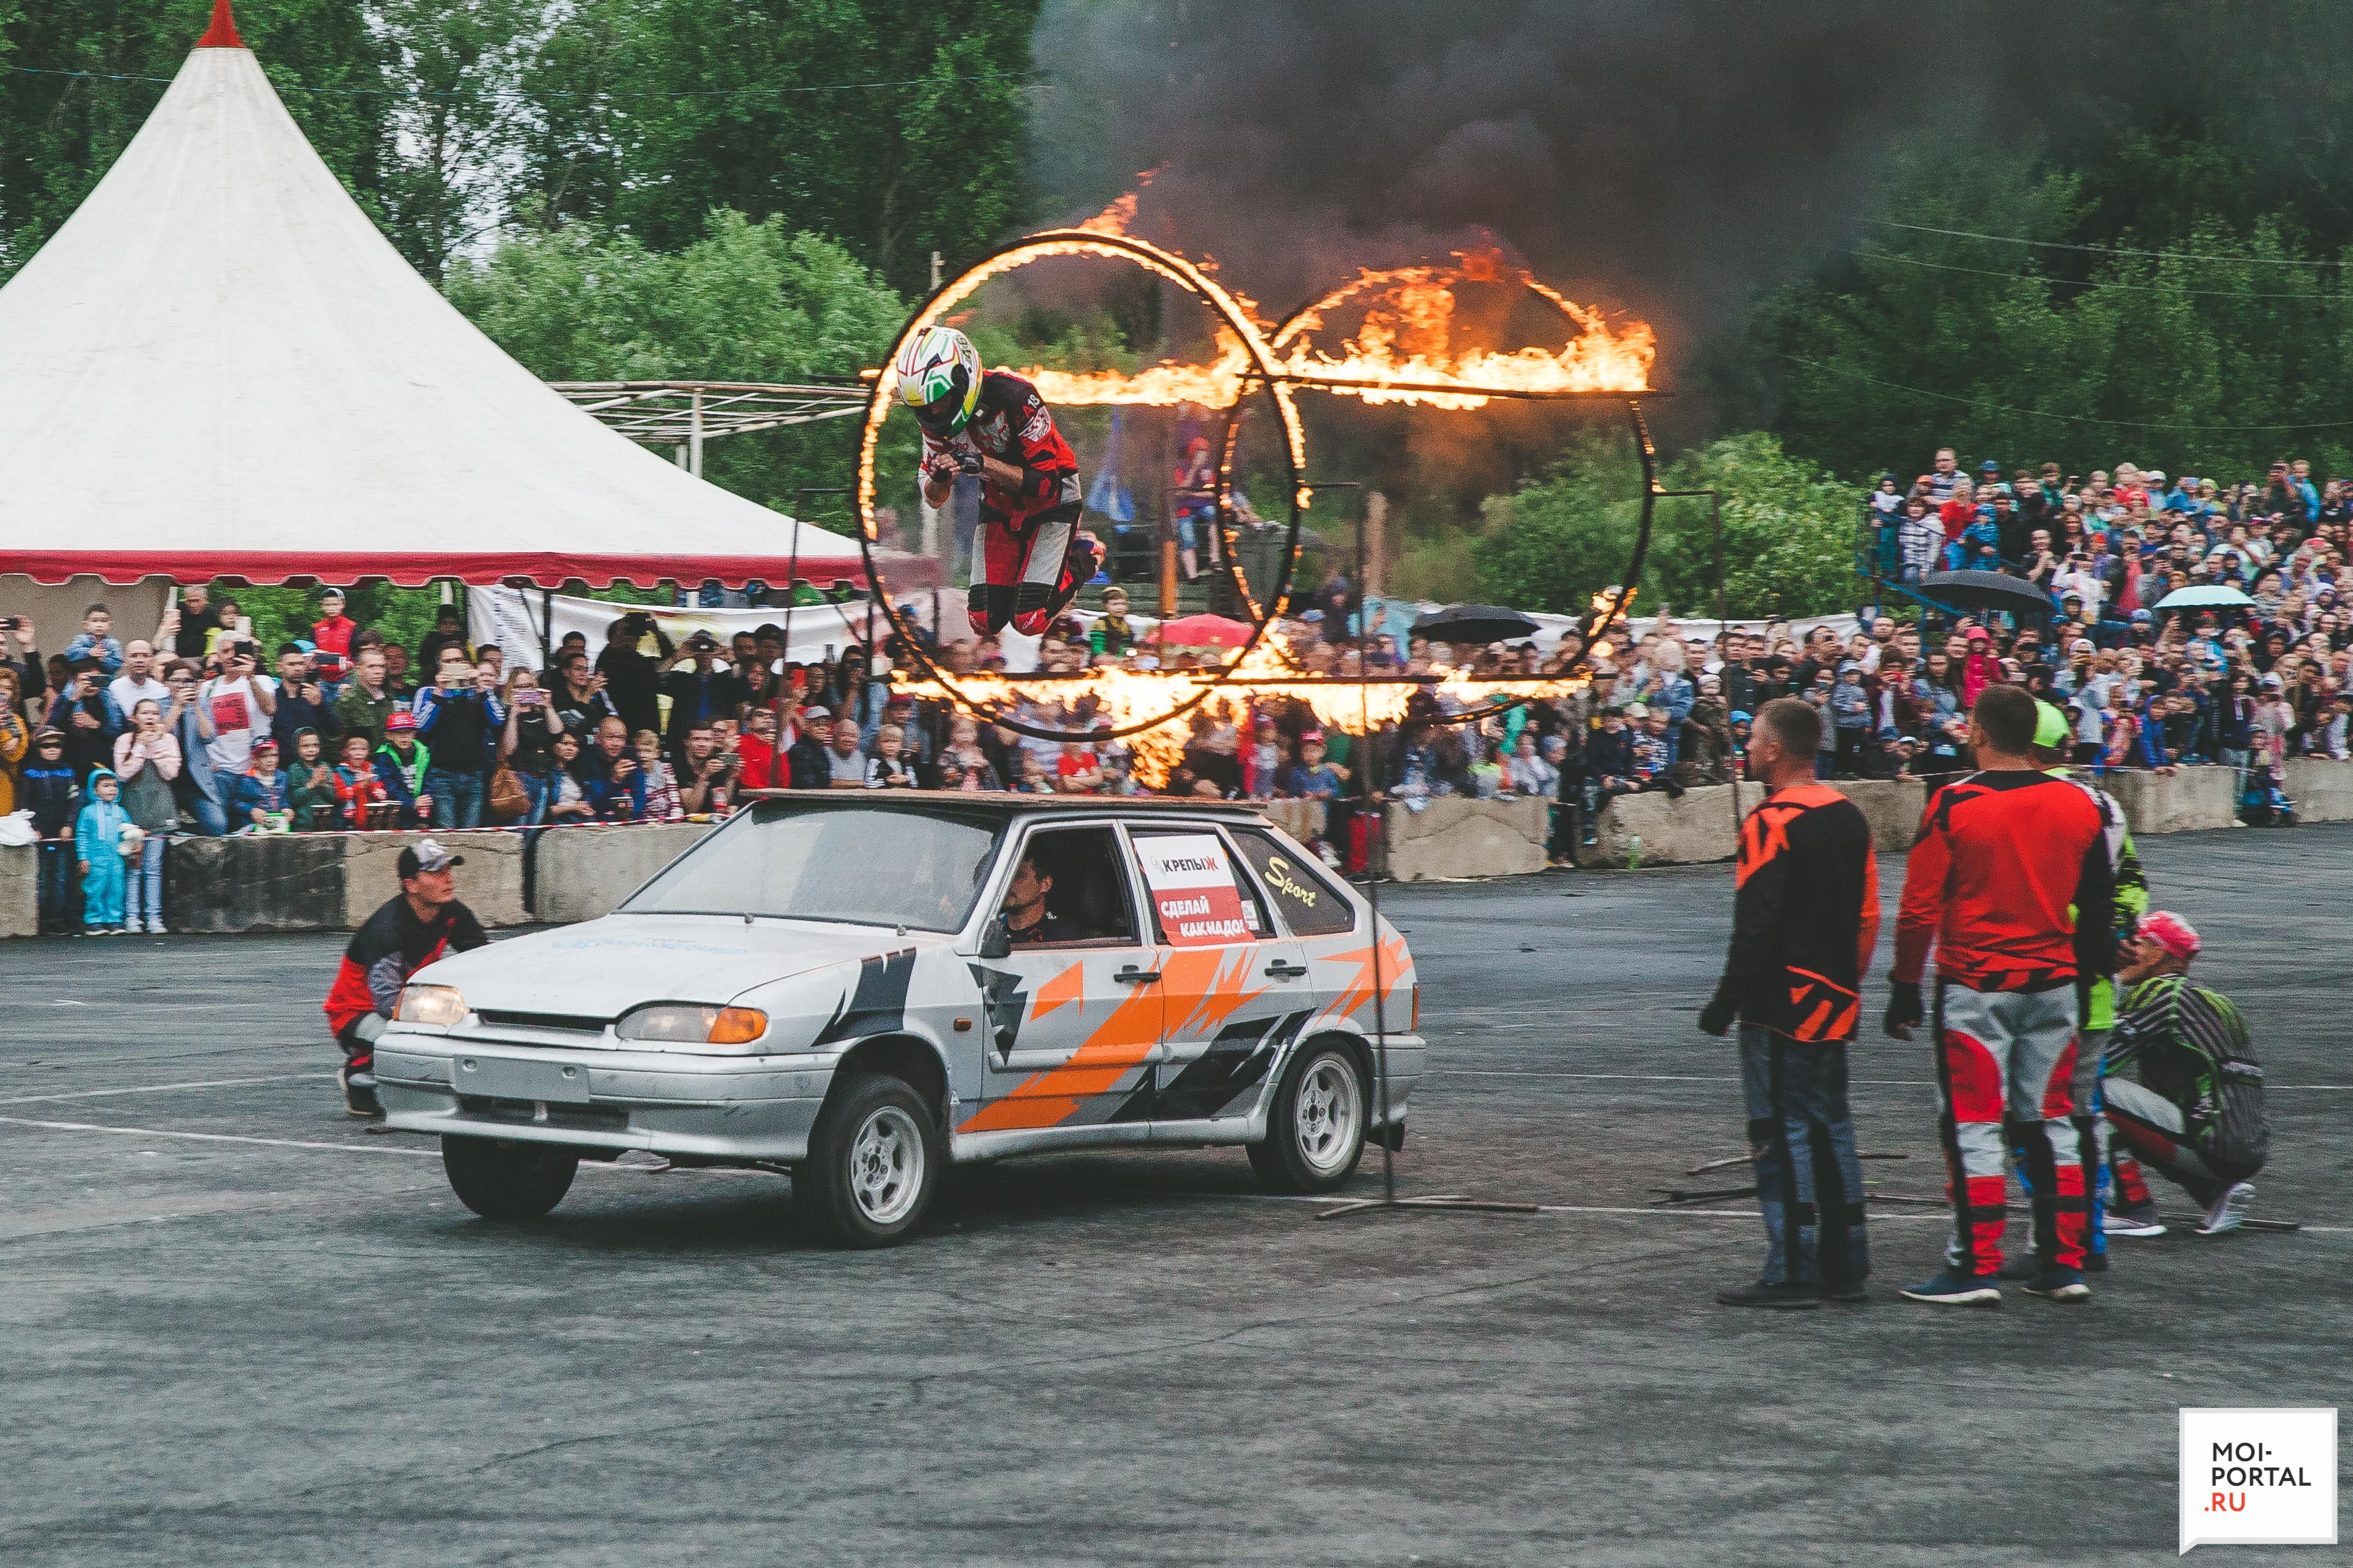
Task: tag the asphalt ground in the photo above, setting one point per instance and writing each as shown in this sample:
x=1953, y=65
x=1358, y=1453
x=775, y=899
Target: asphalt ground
x=239, y=1330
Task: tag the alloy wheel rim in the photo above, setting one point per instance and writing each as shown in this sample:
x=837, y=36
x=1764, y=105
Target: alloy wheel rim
x=1328, y=1113
x=886, y=1166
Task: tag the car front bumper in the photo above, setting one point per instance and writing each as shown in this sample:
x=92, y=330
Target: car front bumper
x=706, y=1108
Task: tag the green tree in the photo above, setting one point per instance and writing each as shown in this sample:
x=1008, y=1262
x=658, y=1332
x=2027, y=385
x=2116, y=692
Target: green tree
x=458, y=122
x=1788, y=533
x=647, y=117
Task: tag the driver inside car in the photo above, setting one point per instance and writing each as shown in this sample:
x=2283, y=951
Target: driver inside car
x=1026, y=919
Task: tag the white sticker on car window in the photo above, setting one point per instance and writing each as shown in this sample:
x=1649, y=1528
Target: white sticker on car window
x=1192, y=882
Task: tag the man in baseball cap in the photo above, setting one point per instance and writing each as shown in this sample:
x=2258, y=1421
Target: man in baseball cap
x=412, y=929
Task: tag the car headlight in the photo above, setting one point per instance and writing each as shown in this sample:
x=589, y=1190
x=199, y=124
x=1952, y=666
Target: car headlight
x=442, y=1006
x=685, y=1022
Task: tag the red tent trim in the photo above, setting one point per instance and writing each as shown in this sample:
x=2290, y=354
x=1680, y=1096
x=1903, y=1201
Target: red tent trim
x=545, y=569
x=221, y=34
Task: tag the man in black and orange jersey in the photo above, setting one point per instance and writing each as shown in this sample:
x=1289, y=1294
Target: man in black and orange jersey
x=2011, y=880
x=1805, y=918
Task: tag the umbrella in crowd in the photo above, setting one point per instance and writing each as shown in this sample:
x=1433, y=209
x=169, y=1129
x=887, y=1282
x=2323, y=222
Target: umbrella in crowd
x=2211, y=596
x=1986, y=591
x=1205, y=631
x=1474, y=623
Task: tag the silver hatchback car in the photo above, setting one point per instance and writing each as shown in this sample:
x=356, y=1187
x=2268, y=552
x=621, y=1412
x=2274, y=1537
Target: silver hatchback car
x=856, y=989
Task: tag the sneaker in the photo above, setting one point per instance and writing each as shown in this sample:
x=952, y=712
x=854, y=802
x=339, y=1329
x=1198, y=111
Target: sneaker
x=132, y=925
x=1790, y=1297
x=2062, y=1285
x=2141, y=1220
x=359, y=1093
x=1843, y=1291
x=1952, y=1289
x=2227, y=1212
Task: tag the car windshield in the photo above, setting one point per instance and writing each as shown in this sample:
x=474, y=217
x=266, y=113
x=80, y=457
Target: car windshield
x=866, y=865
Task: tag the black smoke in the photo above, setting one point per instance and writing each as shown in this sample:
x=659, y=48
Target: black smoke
x=1664, y=157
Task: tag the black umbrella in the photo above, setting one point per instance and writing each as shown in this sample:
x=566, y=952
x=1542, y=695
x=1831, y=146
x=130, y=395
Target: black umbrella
x=1474, y=623
x=1986, y=591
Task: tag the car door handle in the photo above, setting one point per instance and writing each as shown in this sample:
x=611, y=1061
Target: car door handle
x=1283, y=971
x=1132, y=975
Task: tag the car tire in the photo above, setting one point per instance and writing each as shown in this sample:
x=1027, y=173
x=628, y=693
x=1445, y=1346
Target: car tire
x=1315, y=1129
x=875, y=1163
x=504, y=1181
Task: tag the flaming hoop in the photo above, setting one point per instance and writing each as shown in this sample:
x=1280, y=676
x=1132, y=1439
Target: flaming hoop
x=1598, y=364
x=1186, y=275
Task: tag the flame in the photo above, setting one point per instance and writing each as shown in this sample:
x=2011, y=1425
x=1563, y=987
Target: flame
x=1269, y=673
x=1403, y=343
x=1114, y=218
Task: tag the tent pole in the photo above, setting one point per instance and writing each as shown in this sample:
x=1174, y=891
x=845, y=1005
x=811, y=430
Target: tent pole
x=546, y=627
x=694, y=437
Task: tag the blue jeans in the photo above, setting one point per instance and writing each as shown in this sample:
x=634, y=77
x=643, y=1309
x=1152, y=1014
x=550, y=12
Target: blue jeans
x=1809, y=1179
x=212, y=816
x=146, y=889
x=456, y=798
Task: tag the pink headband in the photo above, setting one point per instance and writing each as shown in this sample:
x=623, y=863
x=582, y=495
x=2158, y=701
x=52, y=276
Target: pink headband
x=2171, y=933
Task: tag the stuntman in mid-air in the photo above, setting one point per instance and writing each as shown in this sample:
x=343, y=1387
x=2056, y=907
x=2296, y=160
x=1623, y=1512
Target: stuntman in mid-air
x=993, y=424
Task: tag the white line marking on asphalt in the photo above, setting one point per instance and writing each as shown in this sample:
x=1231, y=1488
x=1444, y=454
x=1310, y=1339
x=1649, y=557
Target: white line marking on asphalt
x=215, y=1137
x=164, y=1088
x=1672, y=1078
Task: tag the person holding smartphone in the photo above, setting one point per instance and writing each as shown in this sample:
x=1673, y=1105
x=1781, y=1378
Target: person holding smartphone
x=235, y=706
x=527, y=739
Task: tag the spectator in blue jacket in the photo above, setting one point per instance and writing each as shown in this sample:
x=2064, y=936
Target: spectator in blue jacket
x=96, y=640
x=49, y=789
x=459, y=718
x=401, y=764
x=611, y=778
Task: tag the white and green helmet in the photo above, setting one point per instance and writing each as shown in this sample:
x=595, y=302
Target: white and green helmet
x=938, y=374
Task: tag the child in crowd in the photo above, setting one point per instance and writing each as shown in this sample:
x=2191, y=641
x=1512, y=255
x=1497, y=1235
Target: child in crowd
x=1263, y=764
x=662, y=803
x=358, y=791
x=261, y=798
x=886, y=769
x=331, y=639
x=311, y=795
x=1851, y=717
x=1033, y=779
x=50, y=792
x=146, y=759
x=1648, y=743
x=97, y=641
x=98, y=853
x=1313, y=776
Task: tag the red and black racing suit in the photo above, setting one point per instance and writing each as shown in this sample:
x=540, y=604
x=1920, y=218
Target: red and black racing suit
x=1031, y=557
x=382, y=954
x=1805, y=919
x=2011, y=881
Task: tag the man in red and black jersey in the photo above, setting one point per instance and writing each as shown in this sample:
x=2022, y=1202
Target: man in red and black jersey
x=993, y=424
x=1805, y=919
x=2010, y=881
x=404, y=936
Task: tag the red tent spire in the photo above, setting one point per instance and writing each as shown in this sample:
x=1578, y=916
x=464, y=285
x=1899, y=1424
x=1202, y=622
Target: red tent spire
x=221, y=34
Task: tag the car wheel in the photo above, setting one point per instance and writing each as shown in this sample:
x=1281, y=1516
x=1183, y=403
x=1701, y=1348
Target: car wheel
x=1315, y=1130
x=499, y=1180
x=873, y=1164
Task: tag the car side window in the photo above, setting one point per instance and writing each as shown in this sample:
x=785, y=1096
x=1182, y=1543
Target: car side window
x=1077, y=874
x=1199, y=896
x=1301, y=893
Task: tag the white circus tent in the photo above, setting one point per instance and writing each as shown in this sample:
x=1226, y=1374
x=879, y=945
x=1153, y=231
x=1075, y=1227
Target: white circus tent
x=220, y=367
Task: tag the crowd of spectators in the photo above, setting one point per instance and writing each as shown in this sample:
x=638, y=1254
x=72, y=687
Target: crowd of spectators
x=115, y=743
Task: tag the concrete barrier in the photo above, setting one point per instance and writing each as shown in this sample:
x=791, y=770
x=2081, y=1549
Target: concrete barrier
x=1302, y=819
x=2180, y=802
x=582, y=872
x=1691, y=831
x=1892, y=806
x=20, y=889
x=2321, y=789
x=1457, y=837
x=490, y=882
x=268, y=882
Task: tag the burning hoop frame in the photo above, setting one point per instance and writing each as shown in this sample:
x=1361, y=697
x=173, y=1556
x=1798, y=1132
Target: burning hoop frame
x=1277, y=379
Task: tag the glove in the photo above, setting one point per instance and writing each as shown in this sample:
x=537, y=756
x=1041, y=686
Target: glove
x=1717, y=1015
x=1903, y=1006
x=968, y=462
